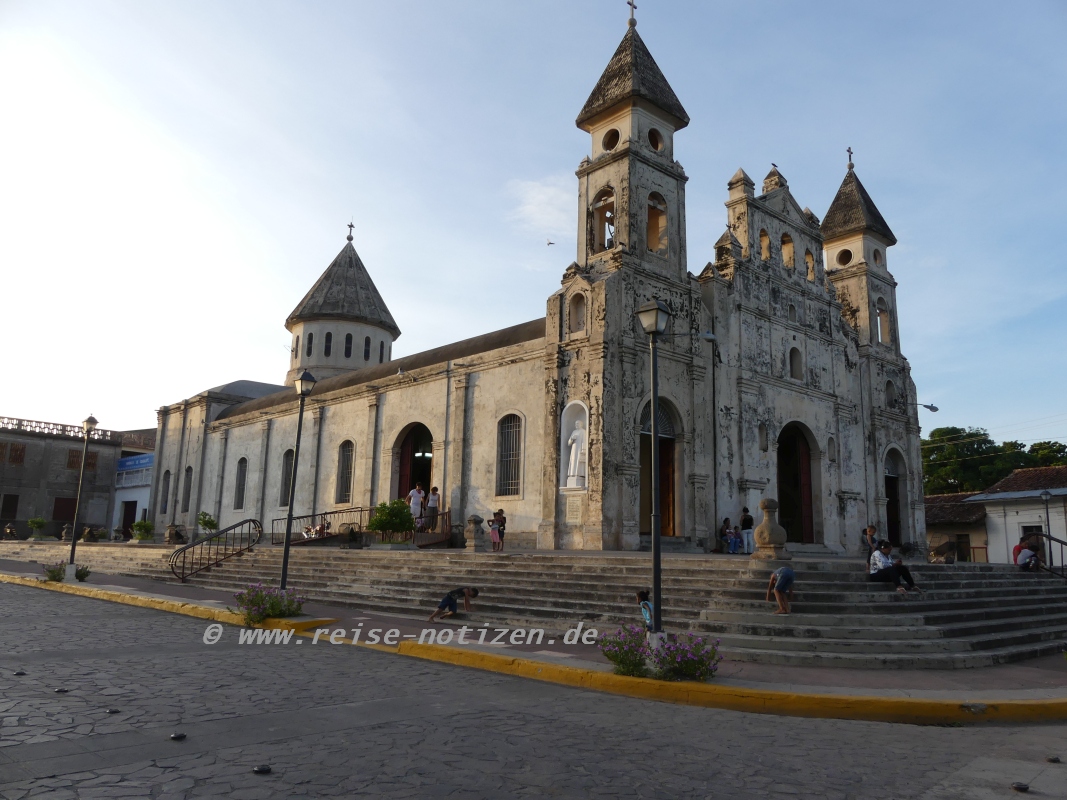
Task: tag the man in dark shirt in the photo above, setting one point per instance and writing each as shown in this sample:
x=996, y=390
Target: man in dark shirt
x=450, y=604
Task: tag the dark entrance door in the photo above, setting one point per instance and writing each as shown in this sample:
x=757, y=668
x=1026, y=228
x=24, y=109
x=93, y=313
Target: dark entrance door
x=794, y=486
x=892, y=509
x=416, y=460
x=129, y=515
x=666, y=485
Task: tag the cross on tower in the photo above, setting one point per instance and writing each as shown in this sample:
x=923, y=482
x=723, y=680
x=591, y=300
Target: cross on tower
x=633, y=8
x=849, y=151
x=350, y=227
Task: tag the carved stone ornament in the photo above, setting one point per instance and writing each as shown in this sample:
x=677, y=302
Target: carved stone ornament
x=770, y=536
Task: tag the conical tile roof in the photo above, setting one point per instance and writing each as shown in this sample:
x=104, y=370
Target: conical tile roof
x=852, y=211
x=632, y=72
x=345, y=291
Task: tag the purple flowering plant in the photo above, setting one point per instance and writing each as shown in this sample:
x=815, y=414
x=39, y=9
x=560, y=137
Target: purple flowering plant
x=686, y=657
x=258, y=602
x=627, y=649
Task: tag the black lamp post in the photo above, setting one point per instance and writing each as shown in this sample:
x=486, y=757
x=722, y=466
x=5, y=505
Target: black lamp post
x=304, y=384
x=654, y=317
x=87, y=429
x=1046, y=495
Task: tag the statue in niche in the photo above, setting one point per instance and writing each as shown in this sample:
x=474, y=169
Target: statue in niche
x=576, y=466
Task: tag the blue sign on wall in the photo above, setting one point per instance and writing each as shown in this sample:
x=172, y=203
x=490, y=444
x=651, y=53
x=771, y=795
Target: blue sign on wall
x=136, y=462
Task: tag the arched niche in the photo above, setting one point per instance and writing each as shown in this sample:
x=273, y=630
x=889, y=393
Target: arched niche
x=574, y=431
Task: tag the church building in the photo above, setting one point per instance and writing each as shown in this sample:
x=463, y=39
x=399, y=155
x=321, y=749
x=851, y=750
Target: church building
x=801, y=394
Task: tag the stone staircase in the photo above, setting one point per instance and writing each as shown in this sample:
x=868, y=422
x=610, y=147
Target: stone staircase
x=971, y=615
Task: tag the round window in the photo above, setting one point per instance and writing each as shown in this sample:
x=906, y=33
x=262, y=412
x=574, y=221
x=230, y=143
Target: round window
x=610, y=140
x=844, y=257
x=655, y=138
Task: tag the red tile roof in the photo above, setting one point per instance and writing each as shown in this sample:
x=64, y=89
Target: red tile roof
x=949, y=509
x=1032, y=479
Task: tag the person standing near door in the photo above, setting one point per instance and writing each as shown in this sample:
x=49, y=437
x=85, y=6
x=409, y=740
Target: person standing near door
x=415, y=498
x=433, y=508
x=747, y=532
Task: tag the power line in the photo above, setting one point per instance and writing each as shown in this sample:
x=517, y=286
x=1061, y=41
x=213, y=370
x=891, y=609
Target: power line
x=950, y=443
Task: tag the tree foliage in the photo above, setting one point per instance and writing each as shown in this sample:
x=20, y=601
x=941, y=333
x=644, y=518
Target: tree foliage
x=968, y=460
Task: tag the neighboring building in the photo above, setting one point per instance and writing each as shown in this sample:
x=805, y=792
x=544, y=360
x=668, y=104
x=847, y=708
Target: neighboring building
x=805, y=397
x=133, y=491
x=39, y=467
x=1015, y=508
x=956, y=525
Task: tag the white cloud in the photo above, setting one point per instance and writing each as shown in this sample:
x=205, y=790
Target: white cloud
x=545, y=207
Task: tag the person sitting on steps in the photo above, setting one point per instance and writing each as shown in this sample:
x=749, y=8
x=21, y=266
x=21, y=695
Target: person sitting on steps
x=884, y=569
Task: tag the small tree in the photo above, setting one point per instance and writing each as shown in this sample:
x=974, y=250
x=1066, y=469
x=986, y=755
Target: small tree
x=35, y=524
x=207, y=522
x=394, y=517
x=143, y=529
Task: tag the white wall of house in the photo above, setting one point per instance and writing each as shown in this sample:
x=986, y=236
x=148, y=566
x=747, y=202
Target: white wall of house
x=1007, y=520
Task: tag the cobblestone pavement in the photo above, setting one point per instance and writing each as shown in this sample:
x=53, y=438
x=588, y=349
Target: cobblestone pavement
x=342, y=721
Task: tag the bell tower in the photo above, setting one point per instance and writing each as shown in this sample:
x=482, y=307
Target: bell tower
x=631, y=190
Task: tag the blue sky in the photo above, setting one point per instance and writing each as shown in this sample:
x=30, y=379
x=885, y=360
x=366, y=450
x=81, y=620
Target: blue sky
x=174, y=176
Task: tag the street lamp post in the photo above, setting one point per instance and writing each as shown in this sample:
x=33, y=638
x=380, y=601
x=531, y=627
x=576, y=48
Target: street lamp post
x=87, y=429
x=1046, y=495
x=304, y=384
x=654, y=317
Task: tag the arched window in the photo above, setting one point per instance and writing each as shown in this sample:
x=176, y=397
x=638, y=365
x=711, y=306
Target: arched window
x=187, y=490
x=296, y=350
x=287, y=478
x=602, y=219
x=831, y=449
x=787, y=250
x=164, y=493
x=509, y=455
x=883, y=331
x=809, y=259
x=381, y=352
x=890, y=395
x=877, y=257
x=664, y=425
x=796, y=365
x=764, y=246
x=348, y=345
x=792, y=313
x=327, y=345
x=656, y=234
x=311, y=342
x=576, y=320
x=239, y=485
x=763, y=437
x=366, y=349
x=344, y=472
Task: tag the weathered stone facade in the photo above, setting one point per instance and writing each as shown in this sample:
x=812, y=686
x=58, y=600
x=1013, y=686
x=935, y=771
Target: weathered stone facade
x=804, y=395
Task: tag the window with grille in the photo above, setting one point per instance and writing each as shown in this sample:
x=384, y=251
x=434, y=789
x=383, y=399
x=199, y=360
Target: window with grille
x=344, y=472
x=16, y=454
x=164, y=493
x=90, y=460
x=3, y=452
x=74, y=459
x=187, y=490
x=239, y=485
x=509, y=455
x=287, y=478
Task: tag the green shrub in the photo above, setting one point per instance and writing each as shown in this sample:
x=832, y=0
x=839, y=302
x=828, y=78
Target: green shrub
x=143, y=529
x=207, y=522
x=627, y=649
x=55, y=572
x=394, y=517
x=81, y=573
x=685, y=657
x=258, y=602
x=35, y=524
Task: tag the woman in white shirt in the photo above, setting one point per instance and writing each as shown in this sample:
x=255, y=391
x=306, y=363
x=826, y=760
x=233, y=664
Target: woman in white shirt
x=884, y=569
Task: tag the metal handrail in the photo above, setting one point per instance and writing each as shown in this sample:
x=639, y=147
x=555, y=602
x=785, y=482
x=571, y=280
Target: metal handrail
x=334, y=519
x=442, y=534
x=1050, y=566
x=216, y=548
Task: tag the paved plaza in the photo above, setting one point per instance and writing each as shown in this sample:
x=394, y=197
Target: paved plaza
x=343, y=721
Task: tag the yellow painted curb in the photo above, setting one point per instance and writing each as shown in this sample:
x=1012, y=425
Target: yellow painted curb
x=173, y=606
x=758, y=701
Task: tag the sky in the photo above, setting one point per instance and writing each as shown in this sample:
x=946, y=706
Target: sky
x=175, y=176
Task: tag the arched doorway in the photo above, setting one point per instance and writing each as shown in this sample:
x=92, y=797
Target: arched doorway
x=795, y=501
x=896, y=496
x=416, y=460
x=667, y=472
